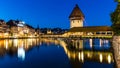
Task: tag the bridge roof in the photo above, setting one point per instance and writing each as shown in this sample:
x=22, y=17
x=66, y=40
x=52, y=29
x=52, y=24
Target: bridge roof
x=90, y=29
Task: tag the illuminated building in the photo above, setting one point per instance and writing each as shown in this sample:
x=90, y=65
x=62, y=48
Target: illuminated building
x=76, y=17
x=49, y=32
x=20, y=29
x=4, y=29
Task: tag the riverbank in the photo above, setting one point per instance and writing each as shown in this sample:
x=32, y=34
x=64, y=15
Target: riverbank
x=19, y=37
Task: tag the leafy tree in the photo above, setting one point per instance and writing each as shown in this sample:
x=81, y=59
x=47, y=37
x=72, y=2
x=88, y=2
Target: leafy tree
x=117, y=0
x=115, y=18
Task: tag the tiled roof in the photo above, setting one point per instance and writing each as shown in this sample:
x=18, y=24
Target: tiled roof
x=76, y=12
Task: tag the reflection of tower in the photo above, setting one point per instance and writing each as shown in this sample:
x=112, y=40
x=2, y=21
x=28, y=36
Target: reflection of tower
x=74, y=53
x=76, y=17
x=80, y=44
x=77, y=44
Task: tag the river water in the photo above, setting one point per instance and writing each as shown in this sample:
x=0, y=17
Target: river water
x=56, y=53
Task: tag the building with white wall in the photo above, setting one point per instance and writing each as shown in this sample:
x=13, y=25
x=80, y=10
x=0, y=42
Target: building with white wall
x=76, y=17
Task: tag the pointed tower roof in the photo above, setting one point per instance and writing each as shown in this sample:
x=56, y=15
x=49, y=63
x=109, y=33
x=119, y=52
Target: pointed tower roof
x=76, y=12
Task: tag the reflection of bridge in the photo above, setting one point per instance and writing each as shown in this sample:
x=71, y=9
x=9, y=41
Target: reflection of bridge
x=77, y=53
x=83, y=55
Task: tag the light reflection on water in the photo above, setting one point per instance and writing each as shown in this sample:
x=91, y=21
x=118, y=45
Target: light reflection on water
x=79, y=52
x=21, y=53
x=18, y=46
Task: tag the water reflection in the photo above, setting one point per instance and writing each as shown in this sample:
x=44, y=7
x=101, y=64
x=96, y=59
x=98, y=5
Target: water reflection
x=19, y=46
x=21, y=53
x=91, y=44
x=79, y=52
x=87, y=50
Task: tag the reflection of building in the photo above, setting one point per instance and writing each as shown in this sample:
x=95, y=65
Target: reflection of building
x=77, y=27
x=19, y=46
x=21, y=53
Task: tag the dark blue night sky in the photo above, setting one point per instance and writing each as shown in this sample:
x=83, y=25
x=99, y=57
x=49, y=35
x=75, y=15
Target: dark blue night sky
x=54, y=13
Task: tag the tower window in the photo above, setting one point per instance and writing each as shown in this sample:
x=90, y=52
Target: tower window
x=78, y=21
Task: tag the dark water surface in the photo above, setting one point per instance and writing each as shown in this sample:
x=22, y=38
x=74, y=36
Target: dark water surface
x=50, y=53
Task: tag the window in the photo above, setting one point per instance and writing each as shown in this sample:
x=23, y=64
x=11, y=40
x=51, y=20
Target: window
x=103, y=33
x=97, y=32
x=110, y=33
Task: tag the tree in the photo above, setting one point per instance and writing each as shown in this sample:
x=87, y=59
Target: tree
x=115, y=18
x=117, y=0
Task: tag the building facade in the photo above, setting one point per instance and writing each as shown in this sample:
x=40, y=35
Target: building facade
x=20, y=29
x=4, y=29
x=76, y=17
